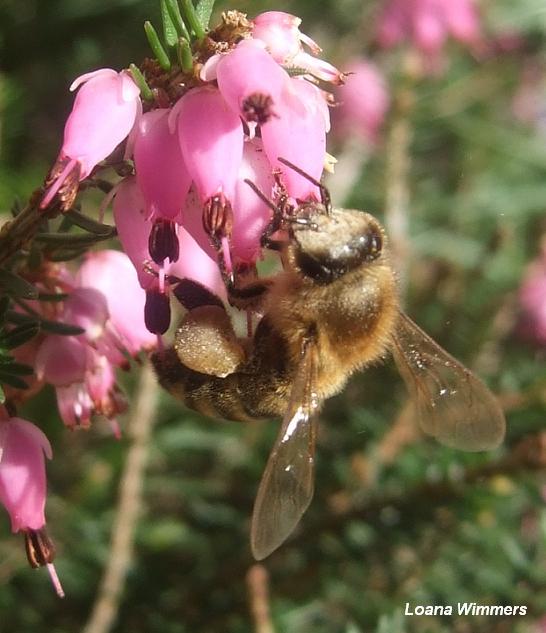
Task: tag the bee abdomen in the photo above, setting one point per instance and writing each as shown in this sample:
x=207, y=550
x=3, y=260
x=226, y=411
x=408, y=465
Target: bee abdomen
x=209, y=395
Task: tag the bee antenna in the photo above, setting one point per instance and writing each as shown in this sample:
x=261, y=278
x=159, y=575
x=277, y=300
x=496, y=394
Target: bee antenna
x=262, y=195
x=324, y=193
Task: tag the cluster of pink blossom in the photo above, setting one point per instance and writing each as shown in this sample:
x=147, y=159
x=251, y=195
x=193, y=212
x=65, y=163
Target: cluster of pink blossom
x=254, y=101
x=428, y=23
x=106, y=301
x=185, y=211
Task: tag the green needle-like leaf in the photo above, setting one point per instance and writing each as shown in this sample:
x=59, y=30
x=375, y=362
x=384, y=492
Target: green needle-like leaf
x=156, y=46
x=185, y=58
x=204, y=11
x=145, y=90
x=169, y=30
x=20, y=335
x=193, y=19
x=4, y=305
x=16, y=286
x=12, y=381
x=71, y=239
x=52, y=296
x=88, y=224
x=17, y=369
x=176, y=17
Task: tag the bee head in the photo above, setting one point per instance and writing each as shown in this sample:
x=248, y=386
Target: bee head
x=326, y=246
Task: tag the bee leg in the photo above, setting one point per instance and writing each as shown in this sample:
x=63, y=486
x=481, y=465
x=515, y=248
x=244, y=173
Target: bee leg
x=206, y=343
x=247, y=290
x=191, y=294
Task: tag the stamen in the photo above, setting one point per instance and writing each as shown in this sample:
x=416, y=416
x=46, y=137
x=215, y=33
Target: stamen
x=57, y=184
x=227, y=255
x=55, y=580
x=116, y=429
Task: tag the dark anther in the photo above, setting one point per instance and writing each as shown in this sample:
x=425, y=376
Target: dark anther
x=257, y=108
x=218, y=217
x=39, y=547
x=163, y=242
x=157, y=312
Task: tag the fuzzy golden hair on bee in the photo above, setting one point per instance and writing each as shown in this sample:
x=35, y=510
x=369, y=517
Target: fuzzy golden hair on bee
x=333, y=310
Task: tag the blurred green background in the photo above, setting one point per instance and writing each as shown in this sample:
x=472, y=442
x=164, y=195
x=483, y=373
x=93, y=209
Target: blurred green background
x=396, y=518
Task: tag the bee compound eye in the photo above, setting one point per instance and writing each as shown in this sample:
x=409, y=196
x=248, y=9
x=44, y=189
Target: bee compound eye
x=375, y=244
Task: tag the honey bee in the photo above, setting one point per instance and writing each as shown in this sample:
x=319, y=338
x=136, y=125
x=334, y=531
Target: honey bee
x=333, y=310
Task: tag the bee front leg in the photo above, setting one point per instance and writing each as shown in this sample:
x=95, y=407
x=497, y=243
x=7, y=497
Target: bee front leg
x=247, y=290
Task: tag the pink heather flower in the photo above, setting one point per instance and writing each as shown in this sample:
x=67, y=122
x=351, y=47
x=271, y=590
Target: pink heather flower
x=364, y=101
x=163, y=180
x=134, y=229
x=61, y=360
x=160, y=169
x=532, y=298
x=23, y=487
x=299, y=136
x=111, y=274
x=105, y=110
x=197, y=260
x=83, y=378
x=280, y=33
x=211, y=138
x=428, y=23
x=250, y=80
x=197, y=264
x=22, y=473
x=251, y=214
x=108, y=303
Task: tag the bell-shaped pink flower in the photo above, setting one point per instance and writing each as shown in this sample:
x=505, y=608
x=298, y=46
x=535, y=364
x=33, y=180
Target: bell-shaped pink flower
x=96, y=393
x=251, y=81
x=363, y=102
x=280, y=32
x=23, y=488
x=211, y=138
x=104, y=111
x=61, y=360
x=532, y=299
x=428, y=23
x=299, y=136
x=75, y=405
x=160, y=170
x=111, y=274
x=196, y=264
x=87, y=308
x=134, y=229
x=251, y=214
x=22, y=473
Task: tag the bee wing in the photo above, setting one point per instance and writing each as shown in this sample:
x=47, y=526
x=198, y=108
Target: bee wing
x=287, y=484
x=454, y=405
